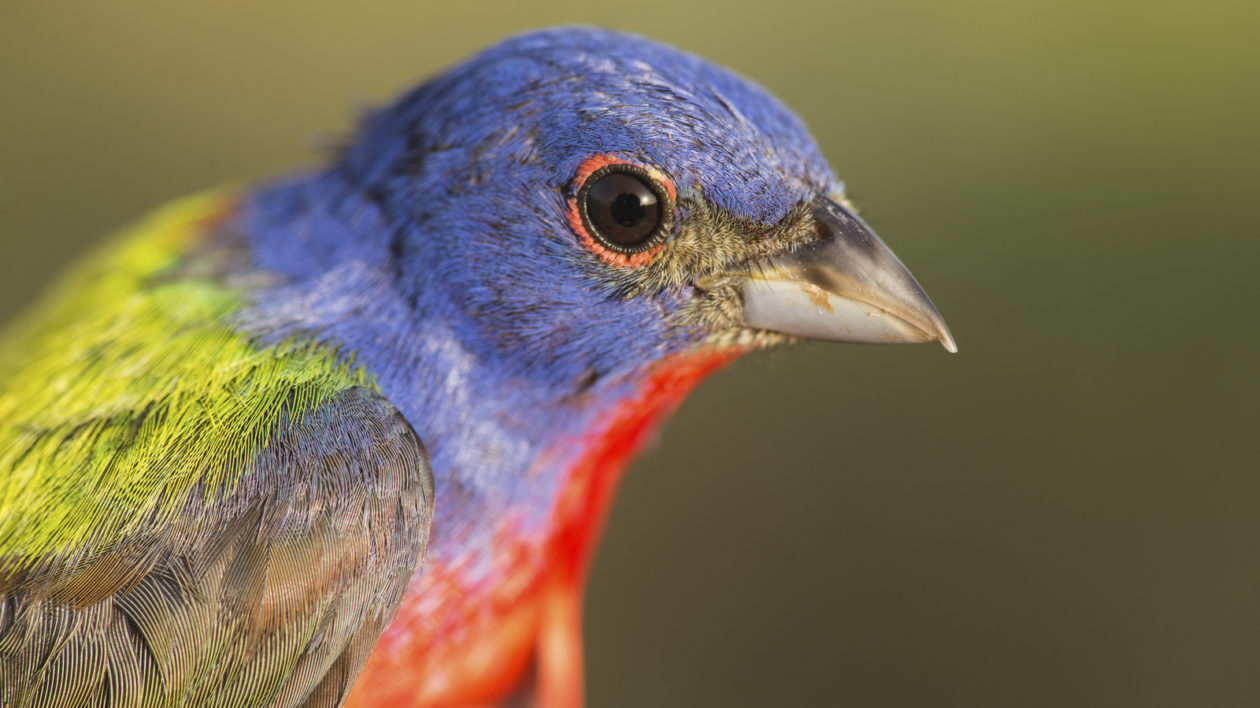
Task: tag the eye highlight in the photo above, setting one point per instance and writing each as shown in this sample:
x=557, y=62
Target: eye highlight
x=621, y=211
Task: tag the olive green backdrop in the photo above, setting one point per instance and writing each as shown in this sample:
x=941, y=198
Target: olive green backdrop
x=1067, y=513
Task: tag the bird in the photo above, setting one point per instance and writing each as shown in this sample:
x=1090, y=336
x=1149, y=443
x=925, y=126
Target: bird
x=349, y=436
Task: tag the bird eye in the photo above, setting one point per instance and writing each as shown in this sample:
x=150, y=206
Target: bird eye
x=623, y=207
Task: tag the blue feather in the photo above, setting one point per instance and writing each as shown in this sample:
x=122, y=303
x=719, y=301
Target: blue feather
x=435, y=249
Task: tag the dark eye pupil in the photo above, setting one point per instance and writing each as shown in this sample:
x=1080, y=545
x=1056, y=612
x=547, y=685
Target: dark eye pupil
x=627, y=210
x=622, y=209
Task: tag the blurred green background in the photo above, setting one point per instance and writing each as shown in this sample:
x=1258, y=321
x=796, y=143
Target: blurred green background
x=1065, y=513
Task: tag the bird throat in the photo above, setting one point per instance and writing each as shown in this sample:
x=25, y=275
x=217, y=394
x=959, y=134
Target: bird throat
x=517, y=630
x=524, y=469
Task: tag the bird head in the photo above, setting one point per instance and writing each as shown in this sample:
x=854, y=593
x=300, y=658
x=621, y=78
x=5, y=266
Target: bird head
x=535, y=255
x=584, y=203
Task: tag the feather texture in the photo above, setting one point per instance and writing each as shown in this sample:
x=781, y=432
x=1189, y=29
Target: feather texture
x=189, y=518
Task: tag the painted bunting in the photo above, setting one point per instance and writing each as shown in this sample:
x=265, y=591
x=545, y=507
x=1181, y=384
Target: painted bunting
x=223, y=437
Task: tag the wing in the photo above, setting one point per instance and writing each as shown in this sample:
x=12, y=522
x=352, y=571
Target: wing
x=273, y=594
x=189, y=517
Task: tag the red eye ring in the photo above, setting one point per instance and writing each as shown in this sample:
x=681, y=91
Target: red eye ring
x=611, y=250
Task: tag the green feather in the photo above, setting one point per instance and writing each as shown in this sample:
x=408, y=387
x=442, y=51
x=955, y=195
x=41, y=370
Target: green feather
x=128, y=386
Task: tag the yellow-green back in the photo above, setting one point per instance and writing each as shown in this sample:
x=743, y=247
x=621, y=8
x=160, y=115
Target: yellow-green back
x=127, y=387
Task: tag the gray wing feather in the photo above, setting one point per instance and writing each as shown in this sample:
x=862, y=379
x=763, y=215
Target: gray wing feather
x=273, y=594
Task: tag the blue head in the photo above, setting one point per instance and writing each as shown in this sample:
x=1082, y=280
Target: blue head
x=539, y=225
x=479, y=171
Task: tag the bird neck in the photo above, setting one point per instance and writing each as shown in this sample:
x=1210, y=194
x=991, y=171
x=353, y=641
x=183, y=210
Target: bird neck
x=508, y=446
x=525, y=467
x=476, y=622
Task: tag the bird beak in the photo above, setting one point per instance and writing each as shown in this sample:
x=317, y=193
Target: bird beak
x=847, y=287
